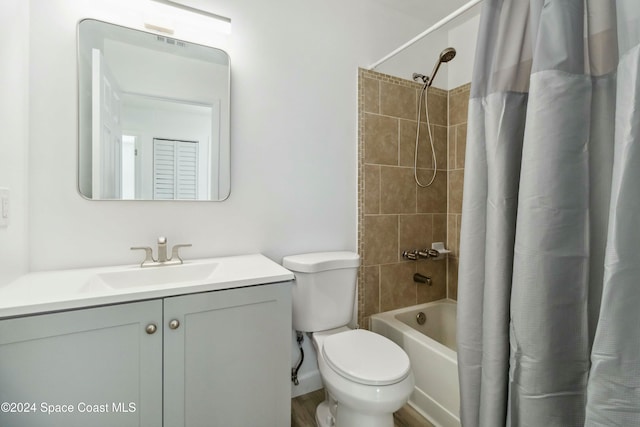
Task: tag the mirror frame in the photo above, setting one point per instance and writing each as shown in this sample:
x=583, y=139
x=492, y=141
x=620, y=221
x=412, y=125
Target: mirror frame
x=227, y=166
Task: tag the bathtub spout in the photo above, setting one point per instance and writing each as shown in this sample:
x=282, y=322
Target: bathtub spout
x=419, y=278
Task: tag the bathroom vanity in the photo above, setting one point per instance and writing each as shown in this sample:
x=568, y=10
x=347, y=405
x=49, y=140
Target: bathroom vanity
x=211, y=351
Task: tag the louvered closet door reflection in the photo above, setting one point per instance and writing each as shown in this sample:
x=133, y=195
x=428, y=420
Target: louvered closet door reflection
x=175, y=169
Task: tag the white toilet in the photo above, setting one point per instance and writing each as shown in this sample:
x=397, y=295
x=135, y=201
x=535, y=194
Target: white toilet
x=367, y=376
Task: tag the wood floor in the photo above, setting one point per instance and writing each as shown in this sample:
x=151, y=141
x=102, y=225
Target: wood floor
x=303, y=412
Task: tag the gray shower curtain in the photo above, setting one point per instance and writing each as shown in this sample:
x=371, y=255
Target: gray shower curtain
x=549, y=278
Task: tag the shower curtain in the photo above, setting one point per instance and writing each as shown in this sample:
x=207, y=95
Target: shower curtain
x=549, y=277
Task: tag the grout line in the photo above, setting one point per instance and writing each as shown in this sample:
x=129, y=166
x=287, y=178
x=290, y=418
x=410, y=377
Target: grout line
x=403, y=118
x=379, y=290
x=379, y=189
x=398, y=237
x=453, y=144
x=403, y=167
x=379, y=97
x=398, y=140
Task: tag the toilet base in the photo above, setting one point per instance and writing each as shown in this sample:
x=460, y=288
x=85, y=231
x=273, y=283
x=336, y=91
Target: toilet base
x=348, y=417
x=323, y=415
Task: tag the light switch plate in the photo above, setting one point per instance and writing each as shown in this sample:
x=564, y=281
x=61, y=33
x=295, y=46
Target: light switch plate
x=4, y=207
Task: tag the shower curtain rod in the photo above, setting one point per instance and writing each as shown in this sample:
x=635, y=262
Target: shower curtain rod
x=428, y=31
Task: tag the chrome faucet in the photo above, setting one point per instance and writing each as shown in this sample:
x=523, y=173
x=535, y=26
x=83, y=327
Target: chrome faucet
x=150, y=261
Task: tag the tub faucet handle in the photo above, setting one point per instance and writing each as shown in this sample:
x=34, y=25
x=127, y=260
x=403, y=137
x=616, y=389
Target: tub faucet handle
x=433, y=253
x=428, y=253
x=410, y=255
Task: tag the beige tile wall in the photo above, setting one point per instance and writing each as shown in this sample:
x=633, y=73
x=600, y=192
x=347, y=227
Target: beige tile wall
x=394, y=213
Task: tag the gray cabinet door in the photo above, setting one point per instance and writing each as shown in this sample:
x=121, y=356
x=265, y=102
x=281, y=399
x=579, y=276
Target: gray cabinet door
x=91, y=367
x=228, y=363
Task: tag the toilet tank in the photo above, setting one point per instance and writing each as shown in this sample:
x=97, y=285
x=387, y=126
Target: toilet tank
x=325, y=289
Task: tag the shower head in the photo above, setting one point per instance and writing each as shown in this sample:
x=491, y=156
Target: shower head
x=448, y=54
x=445, y=56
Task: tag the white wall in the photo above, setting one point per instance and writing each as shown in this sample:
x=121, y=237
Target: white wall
x=14, y=109
x=463, y=37
x=421, y=57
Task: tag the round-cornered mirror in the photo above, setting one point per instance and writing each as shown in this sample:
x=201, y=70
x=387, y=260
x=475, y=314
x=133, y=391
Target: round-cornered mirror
x=153, y=116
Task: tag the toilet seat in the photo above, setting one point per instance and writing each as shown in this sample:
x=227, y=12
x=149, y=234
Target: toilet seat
x=365, y=357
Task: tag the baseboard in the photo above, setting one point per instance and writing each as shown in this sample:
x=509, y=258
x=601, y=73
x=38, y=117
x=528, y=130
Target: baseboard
x=307, y=382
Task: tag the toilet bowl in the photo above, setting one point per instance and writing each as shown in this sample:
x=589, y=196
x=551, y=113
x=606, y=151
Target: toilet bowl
x=366, y=376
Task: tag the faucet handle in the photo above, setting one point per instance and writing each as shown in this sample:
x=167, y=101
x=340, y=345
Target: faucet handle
x=148, y=254
x=175, y=251
x=428, y=253
x=433, y=253
x=410, y=255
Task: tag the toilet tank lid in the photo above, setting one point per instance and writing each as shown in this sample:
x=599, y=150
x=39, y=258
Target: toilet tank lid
x=321, y=261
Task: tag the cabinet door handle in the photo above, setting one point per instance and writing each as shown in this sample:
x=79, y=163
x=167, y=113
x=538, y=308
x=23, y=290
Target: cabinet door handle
x=151, y=329
x=174, y=324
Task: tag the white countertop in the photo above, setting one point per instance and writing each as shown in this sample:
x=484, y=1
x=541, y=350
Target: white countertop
x=71, y=289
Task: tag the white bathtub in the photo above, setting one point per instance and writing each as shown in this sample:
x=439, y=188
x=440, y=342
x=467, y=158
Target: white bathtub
x=432, y=350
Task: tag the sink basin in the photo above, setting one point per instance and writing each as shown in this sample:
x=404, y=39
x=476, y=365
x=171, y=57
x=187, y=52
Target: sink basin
x=152, y=276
